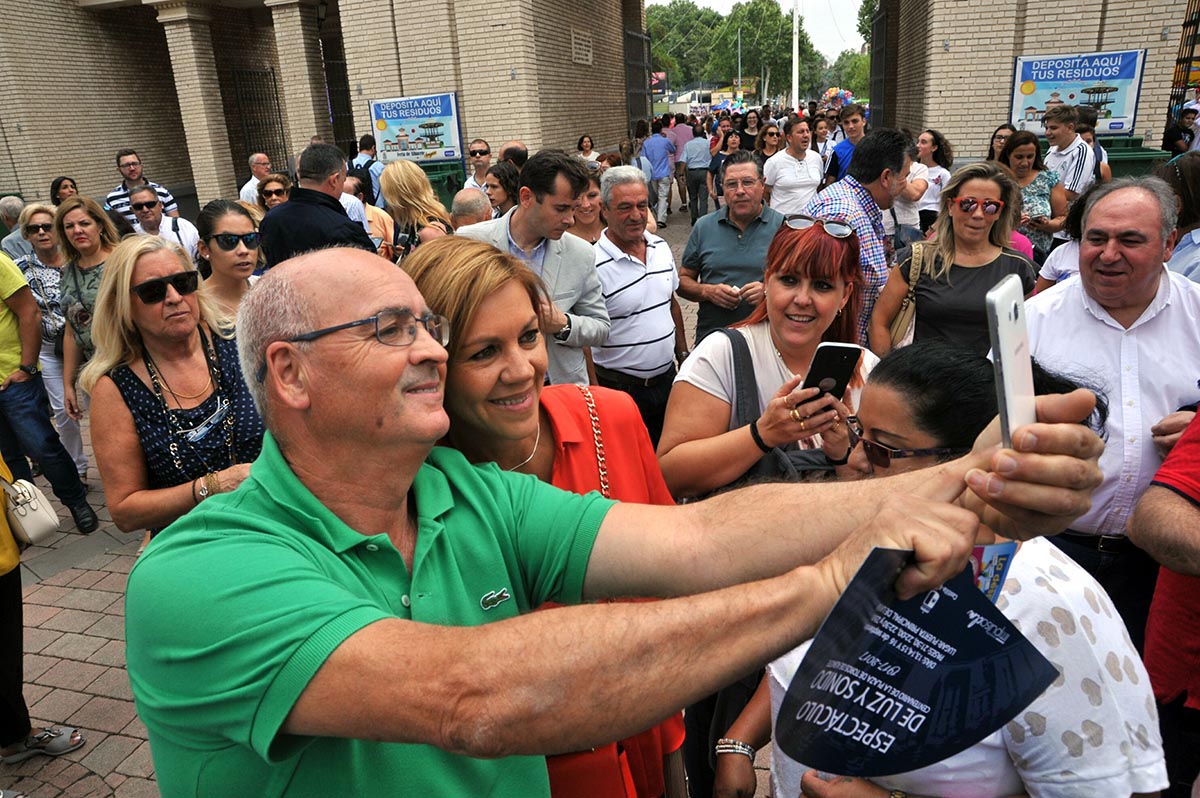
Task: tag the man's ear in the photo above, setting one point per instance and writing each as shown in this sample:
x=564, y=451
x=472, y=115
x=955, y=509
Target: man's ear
x=287, y=377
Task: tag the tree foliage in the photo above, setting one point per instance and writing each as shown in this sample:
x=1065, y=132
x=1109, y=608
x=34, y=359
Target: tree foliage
x=866, y=13
x=699, y=44
x=852, y=70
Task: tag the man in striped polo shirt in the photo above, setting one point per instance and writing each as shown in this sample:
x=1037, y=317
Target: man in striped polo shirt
x=638, y=277
x=130, y=167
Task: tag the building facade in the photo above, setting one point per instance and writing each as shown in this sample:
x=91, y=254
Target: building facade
x=196, y=86
x=948, y=64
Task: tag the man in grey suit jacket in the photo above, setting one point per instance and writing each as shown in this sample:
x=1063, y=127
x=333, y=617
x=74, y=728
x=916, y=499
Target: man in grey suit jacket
x=536, y=232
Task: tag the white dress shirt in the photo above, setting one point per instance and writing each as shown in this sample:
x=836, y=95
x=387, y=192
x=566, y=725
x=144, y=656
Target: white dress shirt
x=1147, y=372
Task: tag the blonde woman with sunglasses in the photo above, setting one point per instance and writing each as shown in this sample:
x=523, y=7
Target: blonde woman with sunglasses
x=179, y=423
x=969, y=254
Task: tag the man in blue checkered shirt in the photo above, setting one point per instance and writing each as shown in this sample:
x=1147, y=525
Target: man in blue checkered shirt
x=877, y=175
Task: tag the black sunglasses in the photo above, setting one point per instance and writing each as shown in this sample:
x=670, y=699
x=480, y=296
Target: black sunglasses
x=141, y=206
x=274, y=192
x=882, y=456
x=33, y=229
x=477, y=153
x=835, y=227
x=229, y=241
x=154, y=291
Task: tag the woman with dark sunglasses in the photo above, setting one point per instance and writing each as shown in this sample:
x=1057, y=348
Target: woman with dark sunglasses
x=180, y=424
x=969, y=254
x=922, y=405
x=274, y=189
x=768, y=142
x=228, y=251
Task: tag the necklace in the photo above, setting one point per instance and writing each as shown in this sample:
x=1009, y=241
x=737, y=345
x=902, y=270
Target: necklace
x=223, y=406
x=179, y=396
x=537, y=439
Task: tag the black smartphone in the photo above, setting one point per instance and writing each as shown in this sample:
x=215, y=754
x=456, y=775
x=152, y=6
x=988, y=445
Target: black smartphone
x=832, y=367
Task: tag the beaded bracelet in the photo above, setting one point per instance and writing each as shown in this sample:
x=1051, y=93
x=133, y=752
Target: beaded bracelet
x=728, y=746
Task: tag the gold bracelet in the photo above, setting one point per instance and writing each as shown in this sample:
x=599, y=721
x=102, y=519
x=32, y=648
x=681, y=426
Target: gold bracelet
x=212, y=483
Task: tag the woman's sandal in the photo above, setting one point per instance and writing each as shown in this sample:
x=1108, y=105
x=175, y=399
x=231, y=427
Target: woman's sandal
x=47, y=742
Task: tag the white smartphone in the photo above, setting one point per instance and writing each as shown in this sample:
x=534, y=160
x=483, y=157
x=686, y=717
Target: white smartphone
x=1010, y=356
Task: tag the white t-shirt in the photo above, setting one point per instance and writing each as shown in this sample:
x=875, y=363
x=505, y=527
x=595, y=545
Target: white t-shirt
x=939, y=176
x=249, y=192
x=710, y=368
x=1093, y=732
x=1061, y=263
x=793, y=181
x=178, y=231
x=907, y=210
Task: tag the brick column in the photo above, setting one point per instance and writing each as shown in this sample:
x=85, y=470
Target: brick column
x=189, y=41
x=302, y=71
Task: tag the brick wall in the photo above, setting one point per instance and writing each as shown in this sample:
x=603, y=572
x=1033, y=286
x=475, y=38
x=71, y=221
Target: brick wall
x=955, y=59
x=78, y=86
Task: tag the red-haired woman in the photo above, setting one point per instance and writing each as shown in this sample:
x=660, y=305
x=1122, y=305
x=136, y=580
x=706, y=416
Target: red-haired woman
x=813, y=291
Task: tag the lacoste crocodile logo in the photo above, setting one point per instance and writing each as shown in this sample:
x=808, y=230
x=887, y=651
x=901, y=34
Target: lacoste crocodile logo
x=494, y=598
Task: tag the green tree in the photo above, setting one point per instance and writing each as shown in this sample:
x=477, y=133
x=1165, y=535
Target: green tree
x=866, y=13
x=766, y=49
x=852, y=71
x=681, y=38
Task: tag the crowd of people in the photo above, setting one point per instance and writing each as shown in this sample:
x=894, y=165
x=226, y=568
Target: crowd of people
x=505, y=520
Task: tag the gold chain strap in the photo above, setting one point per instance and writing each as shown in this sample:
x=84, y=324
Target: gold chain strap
x=599, y=439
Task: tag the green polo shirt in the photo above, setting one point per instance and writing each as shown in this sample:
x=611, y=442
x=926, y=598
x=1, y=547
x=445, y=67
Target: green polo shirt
x=723, y=254
x=233, y=609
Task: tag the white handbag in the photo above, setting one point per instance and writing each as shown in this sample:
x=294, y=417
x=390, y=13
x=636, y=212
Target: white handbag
x=30, y=516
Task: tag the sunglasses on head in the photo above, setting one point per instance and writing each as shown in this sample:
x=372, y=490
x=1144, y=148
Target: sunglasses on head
x=477, y=153
x=154, y=291
x=274, y=192
x=141, y=206
x=991, y=207
x=33, y=229
x=835, y=227
x=881, y=456
x=229, y=241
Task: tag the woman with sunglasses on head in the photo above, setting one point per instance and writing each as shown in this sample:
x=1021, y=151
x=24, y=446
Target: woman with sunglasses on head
x=273, y=190
x=922, y=405
x=577, y=439
x=999, y=138
x=1043, y=198
x=970, y=253
x=43, y=269
x=812, y=294
x=228, y=251
x=86, y=236
x=768, y=142
x=62, y=188
x=179, y=421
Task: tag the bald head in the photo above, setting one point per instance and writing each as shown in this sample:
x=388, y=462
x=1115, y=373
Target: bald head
x=470, y=206
x=515, y=152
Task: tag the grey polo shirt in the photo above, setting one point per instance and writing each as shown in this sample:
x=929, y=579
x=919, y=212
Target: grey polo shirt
x=722, y=253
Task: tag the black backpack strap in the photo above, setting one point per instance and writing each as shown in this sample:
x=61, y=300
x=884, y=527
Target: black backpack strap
x=744, y=386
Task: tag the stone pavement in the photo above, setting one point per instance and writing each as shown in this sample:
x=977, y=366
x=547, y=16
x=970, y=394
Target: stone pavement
x=75, y=646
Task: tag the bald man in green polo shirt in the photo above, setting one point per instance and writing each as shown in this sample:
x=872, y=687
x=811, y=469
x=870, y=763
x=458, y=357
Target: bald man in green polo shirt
x=352, y=619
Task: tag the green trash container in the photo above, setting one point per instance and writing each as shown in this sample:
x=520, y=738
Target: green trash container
x=1128, y=158
x=447, y=179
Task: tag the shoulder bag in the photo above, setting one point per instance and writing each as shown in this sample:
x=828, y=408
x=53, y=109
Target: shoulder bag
x=777, y=465
x=30, y=517
x=904, y=325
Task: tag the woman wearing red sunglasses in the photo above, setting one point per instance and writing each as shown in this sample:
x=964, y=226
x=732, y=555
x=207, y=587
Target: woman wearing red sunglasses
x=968, y=255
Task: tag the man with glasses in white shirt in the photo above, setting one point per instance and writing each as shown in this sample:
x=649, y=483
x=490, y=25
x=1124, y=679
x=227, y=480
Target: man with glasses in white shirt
x=1134, y=327
x=260, y=167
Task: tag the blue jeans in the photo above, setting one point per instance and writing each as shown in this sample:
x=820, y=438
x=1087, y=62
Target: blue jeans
x=25, y=430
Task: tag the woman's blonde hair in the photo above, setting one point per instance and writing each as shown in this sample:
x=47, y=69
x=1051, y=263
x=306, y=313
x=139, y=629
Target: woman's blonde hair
x=31, y=210
x=1001, y=232
x=456, y=275
x=109, y=237
x=410, y=197
x=118, y=342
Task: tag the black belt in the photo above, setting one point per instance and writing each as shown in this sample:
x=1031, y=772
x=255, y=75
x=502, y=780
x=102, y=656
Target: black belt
x=1108, y=544
x=621, y=378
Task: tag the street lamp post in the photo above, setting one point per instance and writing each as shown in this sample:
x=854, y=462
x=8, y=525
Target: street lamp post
x=795, y=54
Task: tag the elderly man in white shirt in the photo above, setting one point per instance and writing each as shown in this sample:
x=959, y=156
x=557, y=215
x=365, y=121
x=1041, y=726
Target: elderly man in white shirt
x=1133, y=328
x=260, y=167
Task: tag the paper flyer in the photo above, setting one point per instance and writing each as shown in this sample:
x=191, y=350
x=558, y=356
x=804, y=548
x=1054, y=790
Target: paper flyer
x=889, y=686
